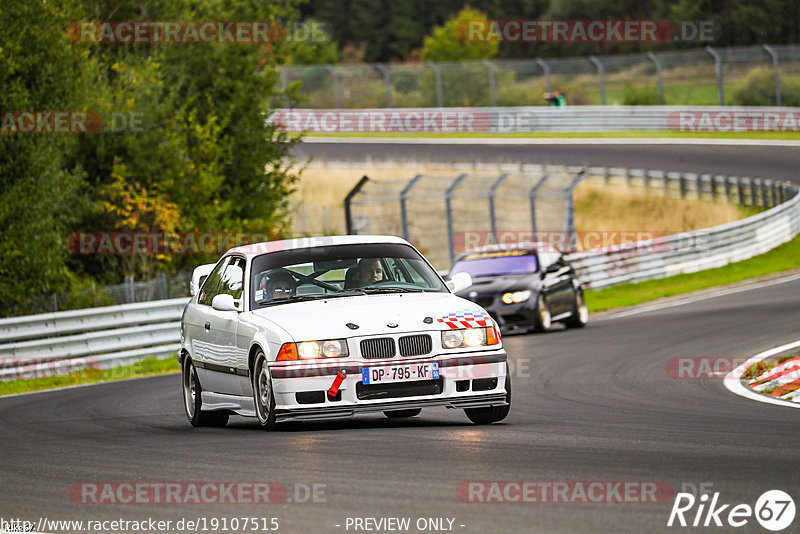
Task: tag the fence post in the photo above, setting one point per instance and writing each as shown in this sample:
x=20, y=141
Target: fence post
x=448, y=195
x=546, y=68
x=284, y=85
x=774, y=57
x=492, y=82
x=718, y=66
x=129, y=293
x=655, y=60
x=387, y=80
x=569, y=210
x=403, y=194
x=532, y=194
x=437, y=73
x=162, y=285
x=336, y=85
x=601, y=76
x=348, y=218
x=740, y=189
x=682, y=184
x=492, y=192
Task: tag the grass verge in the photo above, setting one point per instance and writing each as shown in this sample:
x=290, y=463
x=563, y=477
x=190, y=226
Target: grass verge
x=145, y=367
x=758, y=368
x=783, y=258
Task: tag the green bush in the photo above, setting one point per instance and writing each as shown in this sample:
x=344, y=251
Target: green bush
x=639, y=96
x=758, y=89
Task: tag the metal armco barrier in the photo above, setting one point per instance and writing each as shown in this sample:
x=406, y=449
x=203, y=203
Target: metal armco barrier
x=50, y=343
x=526, y=119
x=701, y=249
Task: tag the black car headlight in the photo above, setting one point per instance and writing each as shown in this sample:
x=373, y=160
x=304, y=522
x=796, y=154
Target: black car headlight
x=516, y=297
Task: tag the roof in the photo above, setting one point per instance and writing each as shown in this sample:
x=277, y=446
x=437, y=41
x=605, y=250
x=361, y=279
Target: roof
x=256, y=249
x=501, y=247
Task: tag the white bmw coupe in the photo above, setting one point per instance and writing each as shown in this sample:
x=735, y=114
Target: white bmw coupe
x=318, y=328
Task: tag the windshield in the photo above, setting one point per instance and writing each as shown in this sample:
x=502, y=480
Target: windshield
x=494, y=263
x=342, y=270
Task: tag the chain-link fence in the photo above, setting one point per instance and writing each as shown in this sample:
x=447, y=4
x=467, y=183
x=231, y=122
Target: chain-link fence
x=159, y=288
x=440, y=214
x=755, y=75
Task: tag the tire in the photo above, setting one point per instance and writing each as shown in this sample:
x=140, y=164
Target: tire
x=263, y=396
x=580, y=312
x=491, y=414
x=543, y=320
x=193, y=400
x=402, y=414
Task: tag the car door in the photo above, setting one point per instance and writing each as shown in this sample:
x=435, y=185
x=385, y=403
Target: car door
x=197, y=322
x=221, y=353
x=558, y=287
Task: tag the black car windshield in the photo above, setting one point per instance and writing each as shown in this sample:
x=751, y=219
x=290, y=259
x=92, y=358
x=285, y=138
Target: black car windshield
x=495, y=263
x=339, y=271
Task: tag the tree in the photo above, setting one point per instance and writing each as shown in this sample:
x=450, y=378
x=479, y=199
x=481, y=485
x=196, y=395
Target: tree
x=452, y=41
x=39, y=71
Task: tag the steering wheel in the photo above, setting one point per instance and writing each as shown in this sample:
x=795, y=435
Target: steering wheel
x=320, y=283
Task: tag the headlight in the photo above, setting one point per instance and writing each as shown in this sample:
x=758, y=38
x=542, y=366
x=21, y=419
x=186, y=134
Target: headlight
x=310, y=350
x=516, y=297
x=469, y=337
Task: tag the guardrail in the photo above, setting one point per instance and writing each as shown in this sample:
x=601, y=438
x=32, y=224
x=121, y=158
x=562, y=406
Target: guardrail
x=527, y=119
x=49, y=343
x=701, y=249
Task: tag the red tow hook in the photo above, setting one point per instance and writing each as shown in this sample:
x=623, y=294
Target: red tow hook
x=340, y=376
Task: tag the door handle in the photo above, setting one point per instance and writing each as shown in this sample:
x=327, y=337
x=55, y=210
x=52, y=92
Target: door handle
x=208, y=326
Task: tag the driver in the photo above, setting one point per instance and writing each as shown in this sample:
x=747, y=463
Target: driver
x=279, y=285
x=370, y=271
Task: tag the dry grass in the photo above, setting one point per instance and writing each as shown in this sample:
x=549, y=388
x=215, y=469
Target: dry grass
x=620, y=208
x=598, y=207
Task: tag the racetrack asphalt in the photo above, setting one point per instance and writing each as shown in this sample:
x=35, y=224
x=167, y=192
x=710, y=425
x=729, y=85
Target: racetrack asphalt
x=778, y=162
x=597, y=404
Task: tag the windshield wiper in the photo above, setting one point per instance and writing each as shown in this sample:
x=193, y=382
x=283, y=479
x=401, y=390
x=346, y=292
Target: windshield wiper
x=392, y=289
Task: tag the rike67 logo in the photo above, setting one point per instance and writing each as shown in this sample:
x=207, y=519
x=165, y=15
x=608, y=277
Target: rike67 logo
x=774, y=510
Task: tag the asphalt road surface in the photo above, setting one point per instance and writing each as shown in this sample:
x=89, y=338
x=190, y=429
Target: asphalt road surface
x=779, y=162
x=595, y=404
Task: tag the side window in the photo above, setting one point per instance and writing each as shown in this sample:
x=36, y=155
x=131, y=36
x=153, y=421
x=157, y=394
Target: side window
x=211, y=285
x=233, y=279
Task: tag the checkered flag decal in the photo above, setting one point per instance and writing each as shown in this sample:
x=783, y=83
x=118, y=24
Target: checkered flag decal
x=466, y=319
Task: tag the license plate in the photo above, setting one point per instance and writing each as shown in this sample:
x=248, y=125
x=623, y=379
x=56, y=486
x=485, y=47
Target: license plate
x=400, y=373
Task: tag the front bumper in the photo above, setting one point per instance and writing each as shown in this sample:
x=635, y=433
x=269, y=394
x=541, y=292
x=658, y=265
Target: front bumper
x=467, y=380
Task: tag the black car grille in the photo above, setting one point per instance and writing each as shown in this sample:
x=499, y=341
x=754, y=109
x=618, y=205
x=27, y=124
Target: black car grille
x=415, y=345
x=378, y=347
x=395, y=390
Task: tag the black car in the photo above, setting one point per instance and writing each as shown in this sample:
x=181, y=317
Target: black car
x=522, y=288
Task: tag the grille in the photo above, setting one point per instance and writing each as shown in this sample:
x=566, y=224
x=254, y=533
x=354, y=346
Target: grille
x=415, y=345
x=379, y=347
x=395, y=390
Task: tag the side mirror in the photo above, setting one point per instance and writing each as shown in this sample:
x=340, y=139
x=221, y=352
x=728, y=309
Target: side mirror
x=459, y=282
x=224, y=302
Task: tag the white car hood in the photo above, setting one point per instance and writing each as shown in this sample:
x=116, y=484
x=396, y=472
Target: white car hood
x=327, y=319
